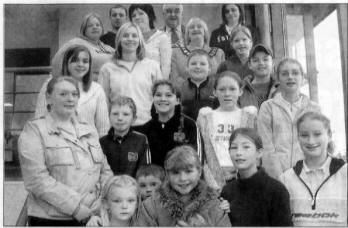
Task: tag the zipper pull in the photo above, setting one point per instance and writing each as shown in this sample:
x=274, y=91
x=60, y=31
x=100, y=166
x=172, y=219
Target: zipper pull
x=313, y=204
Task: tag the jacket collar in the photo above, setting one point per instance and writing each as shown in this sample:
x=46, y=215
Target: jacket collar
x=335, y=165
x=193, y=85
x=254, y=181
x=176, y=117
x=112, y=136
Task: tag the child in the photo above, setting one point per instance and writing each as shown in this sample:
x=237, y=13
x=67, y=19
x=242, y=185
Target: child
x=317, y=184
x=277, y=117
x=259, y=86
x=217, y=125
x=255, y=198
x=149, y=178
x=184, y=199
x=168, y=127
x=197, y=89
x=120, y=200
x=125, y=150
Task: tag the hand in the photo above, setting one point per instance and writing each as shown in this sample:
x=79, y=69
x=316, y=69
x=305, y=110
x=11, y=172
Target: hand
x=224, y=205
x=82, y=213
x=181, y=223
x=198, y=221
x=95, y=221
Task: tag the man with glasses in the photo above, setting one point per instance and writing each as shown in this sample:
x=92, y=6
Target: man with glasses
x=172, y=14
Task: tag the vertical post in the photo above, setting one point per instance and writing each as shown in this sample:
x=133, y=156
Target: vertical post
x=278, y=31
x=310, y=56
x=262, y=16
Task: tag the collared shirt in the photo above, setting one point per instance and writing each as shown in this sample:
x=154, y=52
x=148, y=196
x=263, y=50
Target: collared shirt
x=169, y=30
x=315, y=177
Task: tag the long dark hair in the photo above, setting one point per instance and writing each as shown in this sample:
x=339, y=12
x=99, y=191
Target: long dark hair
x=241, y=19
x=148, y=9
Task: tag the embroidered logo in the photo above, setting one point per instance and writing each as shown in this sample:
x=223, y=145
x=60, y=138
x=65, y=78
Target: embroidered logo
x=179, y=137
x=132, y=156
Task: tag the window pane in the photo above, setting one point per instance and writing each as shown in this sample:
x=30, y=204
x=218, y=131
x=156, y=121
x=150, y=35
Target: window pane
x=25, y=102
x=30, y=83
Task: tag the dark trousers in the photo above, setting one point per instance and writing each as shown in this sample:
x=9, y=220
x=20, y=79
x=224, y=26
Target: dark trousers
x=35, y=221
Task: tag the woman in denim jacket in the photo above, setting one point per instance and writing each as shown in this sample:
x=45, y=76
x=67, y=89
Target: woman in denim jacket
x=62, y=163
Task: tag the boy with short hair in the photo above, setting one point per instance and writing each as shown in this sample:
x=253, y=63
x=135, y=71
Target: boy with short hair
x=149, y=177
x=259, y=86
x=197, y=89
x=126, y=150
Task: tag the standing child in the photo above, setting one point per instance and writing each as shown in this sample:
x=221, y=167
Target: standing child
x=150, y=178
x=317, y=184
x=276, y=121
x=197, y=89
x=255, y=198
x=217, y=125
x=185, y=199
x=126, y=150
x=120, y=201
x=169, y=127
x=260, y=85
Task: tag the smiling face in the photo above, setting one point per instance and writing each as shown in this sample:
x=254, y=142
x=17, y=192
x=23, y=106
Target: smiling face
x=130, y=40
x=241, y=43
x=172, y=15
x=94, y=29
x=314, y=139
x=232, y=14
x=164, y=100
x=244, y=155
x=79, y=66
x=118, y=17
x=140, y=18
x=198, y=68
x=196, y=30
x=228, y=91
x=184, y=180
x=122, y=203
x=148, y=185
x=121, y=118
x=290, y=77
x=63, y=99
x=261, y=64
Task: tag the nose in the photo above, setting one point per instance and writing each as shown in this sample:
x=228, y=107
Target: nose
x=124, y=204
x=182, y=176
x=311, y=139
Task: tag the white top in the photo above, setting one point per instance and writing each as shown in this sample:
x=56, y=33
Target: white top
x=136, y=83
x=91, y=106
x=224, y=123
x=158, y=48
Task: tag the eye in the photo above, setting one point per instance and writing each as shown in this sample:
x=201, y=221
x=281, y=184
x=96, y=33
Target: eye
x=233, y=147
x=131, y=200
x=75, y=94
x=142, y=185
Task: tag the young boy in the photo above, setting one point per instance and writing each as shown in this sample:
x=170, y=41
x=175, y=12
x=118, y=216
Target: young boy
x=150, y=178
x=125, y=150
x=197, y=90
x=259, y=86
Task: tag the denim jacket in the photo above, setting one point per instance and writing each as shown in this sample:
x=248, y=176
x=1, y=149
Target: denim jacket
x=60, y=171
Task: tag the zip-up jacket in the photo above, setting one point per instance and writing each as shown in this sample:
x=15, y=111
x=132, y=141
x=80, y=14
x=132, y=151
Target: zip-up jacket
x=327, y=206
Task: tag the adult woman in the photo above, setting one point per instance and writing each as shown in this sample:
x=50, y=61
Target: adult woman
x=62, y=163
x=196, y=37
x=90, y=33
x=157, y=43
x=241, y=42
x=92, y=105
x=130, y=73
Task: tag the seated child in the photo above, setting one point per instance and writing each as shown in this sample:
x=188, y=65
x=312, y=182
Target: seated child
x=184, y=199
x=169, y=127
x=260, y=85
x=255, y=198
x=150, y=178
x=120, y=201
x=197, y=89
x=124, y=149
x=318, y=183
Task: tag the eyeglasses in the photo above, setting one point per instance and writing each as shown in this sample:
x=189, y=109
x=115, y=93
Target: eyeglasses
x=175, y=11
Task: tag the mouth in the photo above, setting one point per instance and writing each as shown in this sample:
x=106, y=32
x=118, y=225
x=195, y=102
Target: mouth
x=312, y=147
x=290, y=84
x=69, y=106
x=239, y=160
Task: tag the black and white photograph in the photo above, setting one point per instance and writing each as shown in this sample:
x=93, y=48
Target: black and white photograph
x=179, y=113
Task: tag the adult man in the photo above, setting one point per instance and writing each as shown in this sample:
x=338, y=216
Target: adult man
x=172, y=14
x=118, y=16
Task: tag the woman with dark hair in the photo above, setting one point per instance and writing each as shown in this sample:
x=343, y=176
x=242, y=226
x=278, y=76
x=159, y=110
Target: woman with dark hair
x=232, y=16
x=91, y=106
x=90, y=32
x=157, y=43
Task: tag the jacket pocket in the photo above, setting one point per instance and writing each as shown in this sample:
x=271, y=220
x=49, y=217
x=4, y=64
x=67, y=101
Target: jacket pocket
x=56, y=156
x=96, y=152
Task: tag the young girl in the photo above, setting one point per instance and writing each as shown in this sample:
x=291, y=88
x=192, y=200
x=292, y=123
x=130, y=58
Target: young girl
x=169, y=127
x=217, y=125
x=120, y=200
x=131, y=74
x=317, y=184
x=241, y=43
x=255, y=198
x=92, y=107
x=184, y=199
x=276, y=122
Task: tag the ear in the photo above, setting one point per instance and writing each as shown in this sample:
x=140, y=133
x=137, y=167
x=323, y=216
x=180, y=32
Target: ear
x=240, y=91
x=134, y=118
x=214, y=93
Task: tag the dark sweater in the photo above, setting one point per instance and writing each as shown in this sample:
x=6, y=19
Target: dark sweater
x=125, y=154
x=258, y=201
x=109, y=38
x=235, y=65
x=165, y=136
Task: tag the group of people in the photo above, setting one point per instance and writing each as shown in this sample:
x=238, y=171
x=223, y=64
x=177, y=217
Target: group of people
x=154, y=127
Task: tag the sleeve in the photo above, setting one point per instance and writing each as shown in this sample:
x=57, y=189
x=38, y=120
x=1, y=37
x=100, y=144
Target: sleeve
x=157, y=74
x=222, y=56
x=147, y=215
x=165, y=55
x=102, y=115
x=174, y=74
x=219, y=216
x=36, y=176
x=213, y=41
x=145, y=153
x=280, y=207
x=222, y=67
x=41, y=103
x=104, y=81
x=270, y=161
